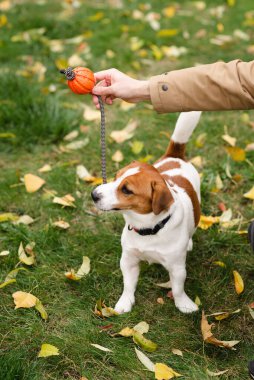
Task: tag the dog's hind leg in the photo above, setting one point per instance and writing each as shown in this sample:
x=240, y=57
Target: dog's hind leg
x=130, y=268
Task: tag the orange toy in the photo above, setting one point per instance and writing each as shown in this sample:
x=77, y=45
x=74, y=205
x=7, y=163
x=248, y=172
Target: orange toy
x=80, y=80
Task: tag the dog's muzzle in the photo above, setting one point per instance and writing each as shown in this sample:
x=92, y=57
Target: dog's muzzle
x=96, y=197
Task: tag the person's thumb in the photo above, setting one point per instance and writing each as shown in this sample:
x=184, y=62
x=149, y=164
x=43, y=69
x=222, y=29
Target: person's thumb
x=101, y=90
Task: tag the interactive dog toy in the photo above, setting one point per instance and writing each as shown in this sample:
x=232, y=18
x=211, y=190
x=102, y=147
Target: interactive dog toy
x=81, y=81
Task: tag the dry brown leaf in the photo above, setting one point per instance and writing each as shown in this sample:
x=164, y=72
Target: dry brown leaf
x=197, y=161
x=24, y=300
x=208, y=336
x=45, y=168
x=126, y=133
x=33, y=183
x=61, y=224
x=28, y=260
x=66, y=201
x=215, y=374
x=176, y=351
x=117, y=156
x=229, y=139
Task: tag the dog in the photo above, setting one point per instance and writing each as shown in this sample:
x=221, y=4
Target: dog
x=161, y=207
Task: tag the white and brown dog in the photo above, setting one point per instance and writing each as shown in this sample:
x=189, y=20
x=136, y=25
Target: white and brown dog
x=161, y=207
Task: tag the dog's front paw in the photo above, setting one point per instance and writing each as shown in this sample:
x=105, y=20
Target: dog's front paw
x=124, y=305
x=185, y=304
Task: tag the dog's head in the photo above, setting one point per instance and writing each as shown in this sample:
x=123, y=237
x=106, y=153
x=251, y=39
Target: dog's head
x=138, y=187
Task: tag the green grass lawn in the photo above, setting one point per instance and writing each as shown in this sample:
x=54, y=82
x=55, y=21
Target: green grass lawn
x=36, y=111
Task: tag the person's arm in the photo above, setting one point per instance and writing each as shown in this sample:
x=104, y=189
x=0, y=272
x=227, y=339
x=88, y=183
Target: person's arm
x=217, y=86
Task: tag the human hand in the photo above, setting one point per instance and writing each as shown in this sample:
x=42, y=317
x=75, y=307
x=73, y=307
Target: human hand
x=115, y=84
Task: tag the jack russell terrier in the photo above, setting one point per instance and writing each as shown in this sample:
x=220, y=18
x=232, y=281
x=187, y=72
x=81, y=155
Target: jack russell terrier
x=161, y=207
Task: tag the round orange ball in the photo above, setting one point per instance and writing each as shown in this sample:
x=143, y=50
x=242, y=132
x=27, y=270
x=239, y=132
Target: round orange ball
x=80, y=80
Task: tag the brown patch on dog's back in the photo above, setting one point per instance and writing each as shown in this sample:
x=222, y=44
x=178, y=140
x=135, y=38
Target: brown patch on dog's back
x=185, y=184
x=168, y=166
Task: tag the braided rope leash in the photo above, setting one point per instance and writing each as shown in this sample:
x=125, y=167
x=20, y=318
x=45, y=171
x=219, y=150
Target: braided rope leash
x=103, y=141
x=70, y=75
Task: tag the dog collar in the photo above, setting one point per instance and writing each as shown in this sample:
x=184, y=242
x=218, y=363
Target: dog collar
x=150, y=231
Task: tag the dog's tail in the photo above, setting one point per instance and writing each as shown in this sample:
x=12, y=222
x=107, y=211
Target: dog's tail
x=185, y=125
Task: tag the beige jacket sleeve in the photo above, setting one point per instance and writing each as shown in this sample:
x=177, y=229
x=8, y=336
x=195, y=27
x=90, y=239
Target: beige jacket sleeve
x=218, y=86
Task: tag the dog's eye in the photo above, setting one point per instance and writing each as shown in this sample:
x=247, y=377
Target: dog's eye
x=126, y=191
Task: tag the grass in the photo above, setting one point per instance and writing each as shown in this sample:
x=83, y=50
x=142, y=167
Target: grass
x=40, y=117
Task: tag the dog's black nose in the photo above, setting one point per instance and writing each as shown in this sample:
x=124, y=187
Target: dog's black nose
x=95, y=195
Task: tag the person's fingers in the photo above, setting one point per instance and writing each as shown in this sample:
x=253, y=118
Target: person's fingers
x=100, y=75
x=109, y=100
x=95, y=100
x=102, y=91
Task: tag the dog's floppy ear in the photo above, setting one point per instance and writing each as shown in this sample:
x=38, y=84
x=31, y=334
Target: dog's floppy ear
x=161, y=197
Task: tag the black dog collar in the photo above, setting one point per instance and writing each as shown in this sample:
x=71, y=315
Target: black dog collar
x=150, y=231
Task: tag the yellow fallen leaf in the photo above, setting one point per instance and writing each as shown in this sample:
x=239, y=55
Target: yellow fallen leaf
x=48, y=350
x=24, y=300
x=117, y=156
x=163, y=372
x=83, y=270
x=218, y=182
x=8, y=216
x=40, y=308
x=61, y=224
x=249, y=194
x=166, y=285
x=208, y=336
x=200, y=140
x=207, y=221
x=147, y=158
x=126, y=332
x=145, y=344
x=169, y=11
x=96, y=17
x=198, y=301
x=236, y=153
x=95, y=181
x=61, y=63
x=167, y=32
x=137, y=146
x=28, y=260
x=66, y=201
x=28, y=300
x=157, y=52
x=219, y=263
x=11, y=277
x=33, y=182
x=239, y=284
x=229, y=139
